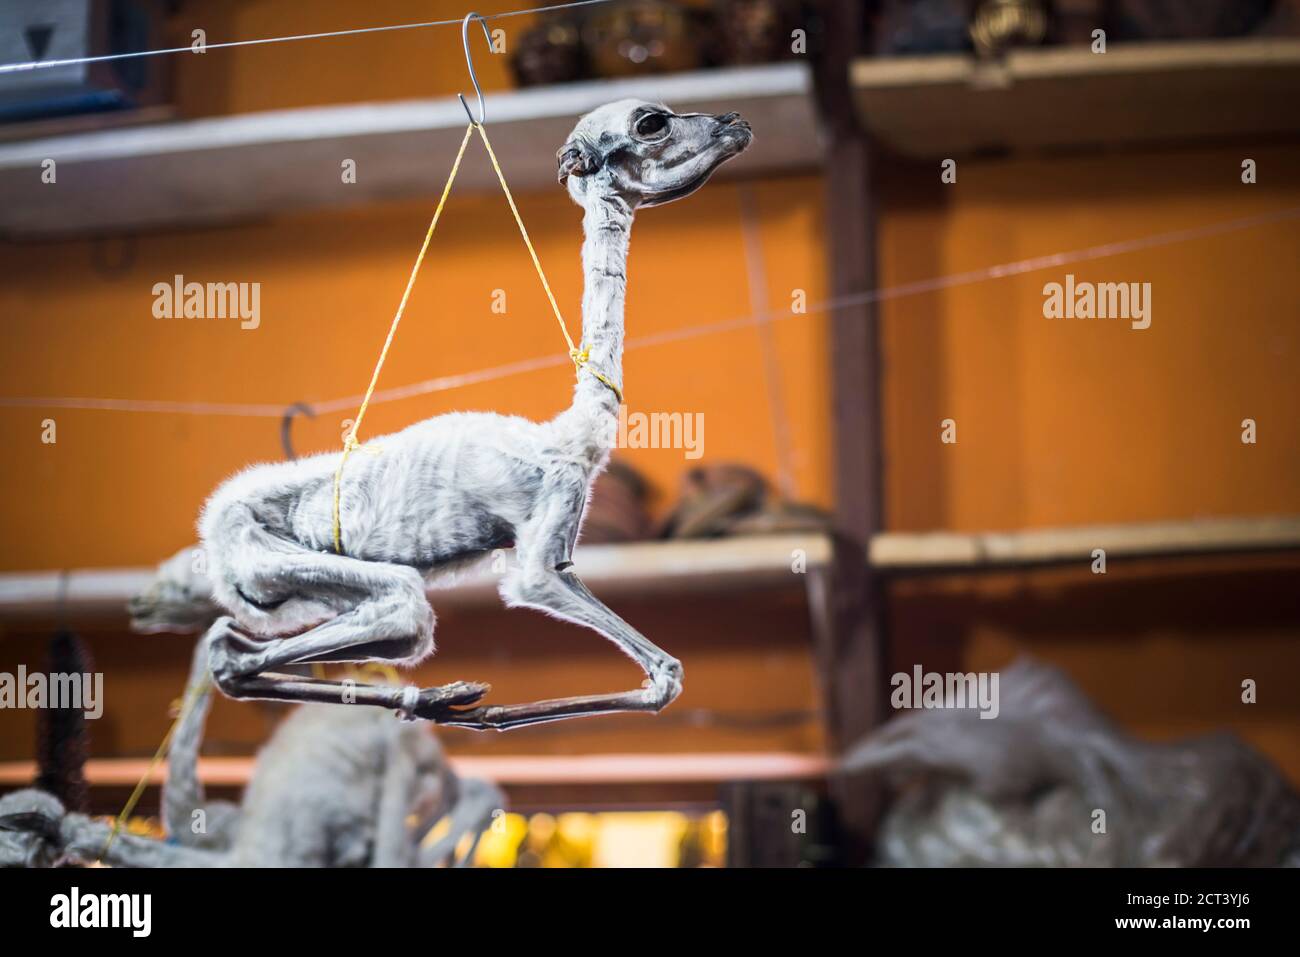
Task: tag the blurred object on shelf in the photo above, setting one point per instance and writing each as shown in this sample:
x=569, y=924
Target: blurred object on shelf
x=711, y=497
x=62, y=740
x=501, y=842
x=991, y=27
x=551, y=52
x=753, y=31
x=1072, y=21
x=1180, y=20
x=617, y=509
x=779, y=517
x=1024, y=789
x=640, y=839
x=704, y=844
x=38, y=30
x=735, y=500
x=1284, y=21
x=606, y=839
x=778, y=824
x=998, y=25
x=922, y=26
x=558, y=842
x=643, y=36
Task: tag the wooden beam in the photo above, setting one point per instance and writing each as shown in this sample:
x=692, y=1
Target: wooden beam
x=233, y=168
x=847, y=613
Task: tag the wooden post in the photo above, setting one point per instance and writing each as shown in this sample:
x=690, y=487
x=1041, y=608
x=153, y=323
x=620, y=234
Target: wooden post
x=848, y=622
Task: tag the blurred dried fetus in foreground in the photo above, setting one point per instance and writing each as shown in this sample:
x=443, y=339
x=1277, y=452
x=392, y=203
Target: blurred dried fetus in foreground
x=1025, y=788
x=179, y=599
x=336, y=786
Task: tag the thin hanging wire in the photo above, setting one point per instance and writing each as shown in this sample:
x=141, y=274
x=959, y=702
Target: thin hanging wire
x=520, y=367
x=107, y=57
x=760, y=305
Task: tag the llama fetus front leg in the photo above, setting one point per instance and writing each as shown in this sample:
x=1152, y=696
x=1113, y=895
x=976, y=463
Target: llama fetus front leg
x=547, y=581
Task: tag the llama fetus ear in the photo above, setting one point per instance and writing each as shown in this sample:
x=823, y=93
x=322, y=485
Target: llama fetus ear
x=575, y=159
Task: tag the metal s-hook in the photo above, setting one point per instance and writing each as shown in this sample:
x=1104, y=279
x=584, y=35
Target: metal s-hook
x=469, y=62
x=286, y=427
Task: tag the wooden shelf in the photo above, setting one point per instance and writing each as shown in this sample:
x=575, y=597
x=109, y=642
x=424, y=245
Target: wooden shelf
x=956, y=552
x=641, y=568
x=506, y=770
x=752, y=562
x=258, y=164
x=1069, y=97
x=234, y=168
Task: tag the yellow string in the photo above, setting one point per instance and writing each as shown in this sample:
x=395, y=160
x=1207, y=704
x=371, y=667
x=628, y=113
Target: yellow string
x=580, y=357
x=186, y=704
x=350, y=442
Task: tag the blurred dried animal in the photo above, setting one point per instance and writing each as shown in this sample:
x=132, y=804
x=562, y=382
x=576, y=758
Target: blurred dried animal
x=617, y=509
x=754, y=31
x=551, y=52
x=643, y=36
x=178, y=600
x=1025, y=789
x=729, y=499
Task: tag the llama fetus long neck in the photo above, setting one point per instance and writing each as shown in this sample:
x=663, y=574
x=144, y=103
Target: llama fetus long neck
x=607, y=225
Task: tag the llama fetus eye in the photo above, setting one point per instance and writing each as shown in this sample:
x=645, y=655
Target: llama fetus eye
x=652, y=124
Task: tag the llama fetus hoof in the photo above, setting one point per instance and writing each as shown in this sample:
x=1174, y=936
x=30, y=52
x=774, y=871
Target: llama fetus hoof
x=440, y=702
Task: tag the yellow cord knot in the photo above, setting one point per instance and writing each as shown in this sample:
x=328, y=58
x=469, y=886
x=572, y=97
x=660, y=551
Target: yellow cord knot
x=580, y=359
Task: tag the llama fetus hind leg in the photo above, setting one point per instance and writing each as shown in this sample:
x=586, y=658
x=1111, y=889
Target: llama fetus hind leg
x=384, y=616
x=332, y=608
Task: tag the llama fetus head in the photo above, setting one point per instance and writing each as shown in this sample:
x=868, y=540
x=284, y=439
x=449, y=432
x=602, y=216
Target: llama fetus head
x=645, y=153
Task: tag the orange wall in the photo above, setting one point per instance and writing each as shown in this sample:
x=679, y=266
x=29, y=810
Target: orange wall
x=1077, y=421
